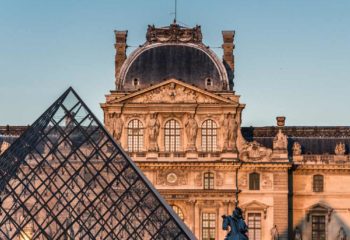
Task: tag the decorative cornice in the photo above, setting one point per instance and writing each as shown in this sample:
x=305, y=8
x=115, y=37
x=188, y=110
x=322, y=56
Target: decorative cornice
x=174, y=33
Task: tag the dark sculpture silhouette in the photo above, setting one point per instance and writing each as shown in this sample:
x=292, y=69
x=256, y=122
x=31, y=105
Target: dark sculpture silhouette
x=238, y=227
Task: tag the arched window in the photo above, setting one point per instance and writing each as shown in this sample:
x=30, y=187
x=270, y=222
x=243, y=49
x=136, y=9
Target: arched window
x=172, y=136
x=209, y=136
x=178, y=211
x=135, y=136
x=254, y=181
x=318, y=183
x=208, y=180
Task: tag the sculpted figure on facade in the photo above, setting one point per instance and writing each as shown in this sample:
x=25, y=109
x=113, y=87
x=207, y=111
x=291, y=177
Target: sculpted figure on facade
x=280, y=141
x=4, y=146
x=229, y=132
x=116, y=124
x=296, y=149
x=191, y=132
x=274, y=233
x=341, y=234
x=254, y=151
x=153, y=132
x=340, y=149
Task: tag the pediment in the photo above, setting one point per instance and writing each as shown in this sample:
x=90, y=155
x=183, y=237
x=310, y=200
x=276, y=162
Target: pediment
x=173, y=91
x=254, y=205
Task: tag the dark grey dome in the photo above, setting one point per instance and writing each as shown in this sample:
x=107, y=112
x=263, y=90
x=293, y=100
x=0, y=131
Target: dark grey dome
x=182, y=62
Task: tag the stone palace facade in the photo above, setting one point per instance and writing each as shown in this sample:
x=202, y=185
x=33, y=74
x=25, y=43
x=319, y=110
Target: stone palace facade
x=175, y=111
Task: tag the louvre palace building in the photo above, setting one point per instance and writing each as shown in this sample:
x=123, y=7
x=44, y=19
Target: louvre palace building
x=174, y=110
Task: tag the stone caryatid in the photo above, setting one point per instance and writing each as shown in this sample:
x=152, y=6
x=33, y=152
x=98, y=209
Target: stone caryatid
x=280, y=141
x=153, y=132
x=340, y=149
x=191, y=132
x=296, y=149
x=116, y=126
x=274, y=233
x=341, y=234
x=229, y=132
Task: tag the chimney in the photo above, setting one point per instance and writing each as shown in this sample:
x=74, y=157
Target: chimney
x=228, y=46
x=281, y=121
x=120, y=51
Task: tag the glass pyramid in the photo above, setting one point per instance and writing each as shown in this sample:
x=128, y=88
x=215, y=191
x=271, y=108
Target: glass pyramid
x=66, y=178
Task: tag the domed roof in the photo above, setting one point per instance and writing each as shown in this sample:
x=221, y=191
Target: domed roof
x=173, y=52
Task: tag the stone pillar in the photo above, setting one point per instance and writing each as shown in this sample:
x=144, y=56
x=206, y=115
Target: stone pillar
x=120, y=54
x=228, y=46
x=280, y=204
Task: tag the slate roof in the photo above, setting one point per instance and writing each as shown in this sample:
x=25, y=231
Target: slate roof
x=314, y=140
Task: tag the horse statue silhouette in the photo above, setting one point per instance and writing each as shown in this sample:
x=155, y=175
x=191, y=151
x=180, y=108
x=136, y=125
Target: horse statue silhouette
x=238, y=228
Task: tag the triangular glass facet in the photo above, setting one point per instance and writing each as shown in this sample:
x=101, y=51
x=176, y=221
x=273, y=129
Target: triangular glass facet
x=66, y=178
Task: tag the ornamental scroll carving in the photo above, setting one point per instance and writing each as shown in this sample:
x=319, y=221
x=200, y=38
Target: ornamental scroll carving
x=254, y=151
x=171, y=178
x=174, y=33
x=172, y=93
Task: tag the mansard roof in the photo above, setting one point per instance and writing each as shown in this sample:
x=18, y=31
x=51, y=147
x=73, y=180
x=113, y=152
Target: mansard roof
x=313, y=140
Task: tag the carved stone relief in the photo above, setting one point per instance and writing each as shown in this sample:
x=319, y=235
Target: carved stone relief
x=340, y=149
x=266, y=181
x=115, y=125
x=296, y=149
x=219, y=179
x=173, y=93
x=191, y=132
x=243, y=181
x=254, y=151
x=280, y=141
x=171, y=178
x=229, y=132
x=153, y=132
x=198, y=180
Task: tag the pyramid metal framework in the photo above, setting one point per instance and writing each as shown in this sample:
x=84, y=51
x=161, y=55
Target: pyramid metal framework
x=66, y=178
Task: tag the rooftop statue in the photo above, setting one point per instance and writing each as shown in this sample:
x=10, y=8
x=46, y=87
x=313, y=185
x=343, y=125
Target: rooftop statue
x=238, y=227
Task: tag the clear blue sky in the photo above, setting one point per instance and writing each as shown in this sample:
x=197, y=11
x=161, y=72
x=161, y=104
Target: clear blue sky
x=292, y=57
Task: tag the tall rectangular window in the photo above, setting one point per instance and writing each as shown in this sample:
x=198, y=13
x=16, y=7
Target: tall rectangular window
x=208, y=226
x=318, y=227
x=254, y=226
x=172, y=136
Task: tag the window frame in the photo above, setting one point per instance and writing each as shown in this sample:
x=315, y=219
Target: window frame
x=211, y=228
x=208, y=180
x=209, y=136
x=254, y=228
x=178, y=211
x=131, y=136
x=253, y=185
x=318, y=183
x=318, y=230
x=172, y=135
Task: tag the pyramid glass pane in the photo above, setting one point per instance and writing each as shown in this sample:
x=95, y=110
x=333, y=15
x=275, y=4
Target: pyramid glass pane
x=65, y=178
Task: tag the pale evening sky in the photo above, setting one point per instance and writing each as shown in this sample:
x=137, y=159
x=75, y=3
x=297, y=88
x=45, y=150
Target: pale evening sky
x=292, y=57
